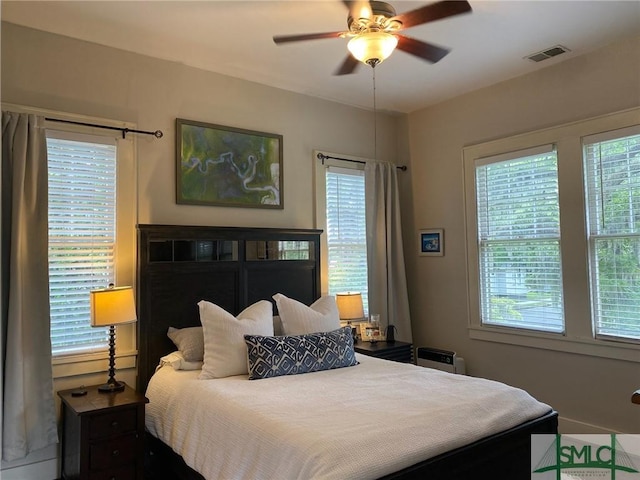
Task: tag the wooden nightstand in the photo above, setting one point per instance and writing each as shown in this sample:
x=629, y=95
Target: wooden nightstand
x=396, y=351
x=102, y=435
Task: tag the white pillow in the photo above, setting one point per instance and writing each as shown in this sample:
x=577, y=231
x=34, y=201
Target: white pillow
x=189, y=341
x=177, y=361
x=298, y=319
x=225, y=351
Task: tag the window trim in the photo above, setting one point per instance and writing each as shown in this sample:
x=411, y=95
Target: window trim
x=578, y=337
x=592, y=236
x=489, y=240
x=67, y=365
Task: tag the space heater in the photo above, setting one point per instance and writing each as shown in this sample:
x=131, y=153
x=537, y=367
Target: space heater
x=444, y=360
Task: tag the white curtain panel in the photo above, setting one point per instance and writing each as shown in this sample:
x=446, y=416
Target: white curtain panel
x=29, y=417
x=385, y=256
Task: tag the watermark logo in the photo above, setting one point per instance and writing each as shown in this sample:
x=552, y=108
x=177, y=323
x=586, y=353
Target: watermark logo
x=589, y=457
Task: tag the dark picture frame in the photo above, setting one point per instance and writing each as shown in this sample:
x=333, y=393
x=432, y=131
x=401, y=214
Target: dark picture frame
x=226, y=166
x=431, y=242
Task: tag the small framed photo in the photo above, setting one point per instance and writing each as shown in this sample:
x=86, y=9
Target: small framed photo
x=431, y=242
x=370, y=332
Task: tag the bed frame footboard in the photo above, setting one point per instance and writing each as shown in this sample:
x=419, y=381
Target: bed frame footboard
x=504, y=456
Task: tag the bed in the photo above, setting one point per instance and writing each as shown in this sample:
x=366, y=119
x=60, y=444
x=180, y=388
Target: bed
x=424, y=435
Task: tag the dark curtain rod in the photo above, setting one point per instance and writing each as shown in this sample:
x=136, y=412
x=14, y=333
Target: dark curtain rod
x=323, y=157
x=157, y=133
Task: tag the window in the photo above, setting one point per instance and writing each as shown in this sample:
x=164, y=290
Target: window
x=346, y=231
x=612, y=186
x=82, y=235
x=553, y=237
x=519, y=240
x=92, y=237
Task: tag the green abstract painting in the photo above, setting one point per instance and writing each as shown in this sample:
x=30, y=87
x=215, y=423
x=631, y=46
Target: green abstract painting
x=218, y=165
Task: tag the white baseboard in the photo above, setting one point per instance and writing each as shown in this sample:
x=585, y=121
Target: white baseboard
x=567, y=425
x=46, y=470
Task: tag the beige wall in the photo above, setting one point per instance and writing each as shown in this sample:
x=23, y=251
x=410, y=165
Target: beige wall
x=57, y=73
x=586, y=389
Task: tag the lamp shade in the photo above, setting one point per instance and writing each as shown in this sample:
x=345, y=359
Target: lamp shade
x=372, y=46
x=112, y=306
x=350, y=306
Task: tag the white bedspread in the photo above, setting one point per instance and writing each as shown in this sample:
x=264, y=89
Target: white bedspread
x=359, y=422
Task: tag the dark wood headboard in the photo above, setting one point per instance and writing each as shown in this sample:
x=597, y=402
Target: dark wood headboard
x=232, y=267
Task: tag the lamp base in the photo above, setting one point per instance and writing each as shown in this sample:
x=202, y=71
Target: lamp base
x=112, y=384
x=111, y=387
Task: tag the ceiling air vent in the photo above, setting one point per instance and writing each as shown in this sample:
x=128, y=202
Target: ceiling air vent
x=548, y=53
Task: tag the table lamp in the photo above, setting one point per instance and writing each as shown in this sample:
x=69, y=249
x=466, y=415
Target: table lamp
x=350, y=308
x=110, y=307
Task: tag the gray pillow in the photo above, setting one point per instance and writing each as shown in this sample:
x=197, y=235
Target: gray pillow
x=295, y=354
x=190, y=342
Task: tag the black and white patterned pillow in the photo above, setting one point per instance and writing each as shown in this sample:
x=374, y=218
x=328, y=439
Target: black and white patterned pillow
x=295, y=354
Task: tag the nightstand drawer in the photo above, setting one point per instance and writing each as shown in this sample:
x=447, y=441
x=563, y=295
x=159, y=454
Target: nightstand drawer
x=127, y=472
x=113, y=423
x=116, y=452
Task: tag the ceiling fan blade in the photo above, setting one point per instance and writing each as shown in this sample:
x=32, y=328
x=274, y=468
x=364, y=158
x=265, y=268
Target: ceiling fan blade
x=348, y=66
x=432, y=12
x=278, y=39
x=427, y=51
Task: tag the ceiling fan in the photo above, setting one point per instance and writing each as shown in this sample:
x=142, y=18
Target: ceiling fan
x=373, y=29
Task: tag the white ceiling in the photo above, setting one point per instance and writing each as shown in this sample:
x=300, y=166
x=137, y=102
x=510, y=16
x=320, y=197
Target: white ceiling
x=235, y=38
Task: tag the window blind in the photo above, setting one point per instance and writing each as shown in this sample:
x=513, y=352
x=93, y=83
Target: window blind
x=82, y=228
x=346, y=231
x=519, y=240
x=612, y=186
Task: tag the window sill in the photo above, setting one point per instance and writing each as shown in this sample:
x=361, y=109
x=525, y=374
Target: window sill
x=561, y=343
x=87, y=363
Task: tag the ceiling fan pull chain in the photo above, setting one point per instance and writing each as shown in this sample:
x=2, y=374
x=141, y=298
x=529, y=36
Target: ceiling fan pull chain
x=375, y=117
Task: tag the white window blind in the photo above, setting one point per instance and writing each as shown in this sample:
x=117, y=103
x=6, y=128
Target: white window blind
x=346, y=231
x=519, y=240
x=82, y=229
x=612, y=177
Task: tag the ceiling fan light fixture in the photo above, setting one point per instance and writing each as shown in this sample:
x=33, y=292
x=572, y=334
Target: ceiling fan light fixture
x=372, y=48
